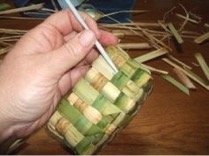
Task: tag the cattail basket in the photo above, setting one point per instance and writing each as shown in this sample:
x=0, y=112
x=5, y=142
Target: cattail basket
x=101, y=103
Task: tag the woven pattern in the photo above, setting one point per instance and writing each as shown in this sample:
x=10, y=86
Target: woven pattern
x=101, y=103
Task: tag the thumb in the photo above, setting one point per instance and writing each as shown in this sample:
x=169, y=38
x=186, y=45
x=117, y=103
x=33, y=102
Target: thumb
x=72, y=52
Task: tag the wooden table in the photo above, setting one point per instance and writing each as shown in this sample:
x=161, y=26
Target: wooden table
x=169, y=122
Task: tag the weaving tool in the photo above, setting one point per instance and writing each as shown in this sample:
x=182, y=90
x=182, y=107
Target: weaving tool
x=63, y=4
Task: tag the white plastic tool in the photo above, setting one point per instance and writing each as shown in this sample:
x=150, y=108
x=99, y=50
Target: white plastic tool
x=97, y=44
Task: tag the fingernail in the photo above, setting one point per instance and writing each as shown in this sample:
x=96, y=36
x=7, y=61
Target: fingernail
x=87, y=38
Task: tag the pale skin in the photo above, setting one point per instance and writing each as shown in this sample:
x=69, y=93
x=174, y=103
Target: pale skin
x=41, y=68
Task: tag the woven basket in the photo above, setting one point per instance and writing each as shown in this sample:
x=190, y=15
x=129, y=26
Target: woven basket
x=101, y=103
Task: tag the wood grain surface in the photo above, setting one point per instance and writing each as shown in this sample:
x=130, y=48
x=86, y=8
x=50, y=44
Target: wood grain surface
x=169, y=122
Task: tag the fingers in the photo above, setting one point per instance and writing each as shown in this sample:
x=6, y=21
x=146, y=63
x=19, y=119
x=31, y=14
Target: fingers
x=70, y=78
x=50, y=34
x=71, y=53
x=107, y=38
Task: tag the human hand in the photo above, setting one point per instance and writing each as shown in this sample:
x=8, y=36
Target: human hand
x=41, y=68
